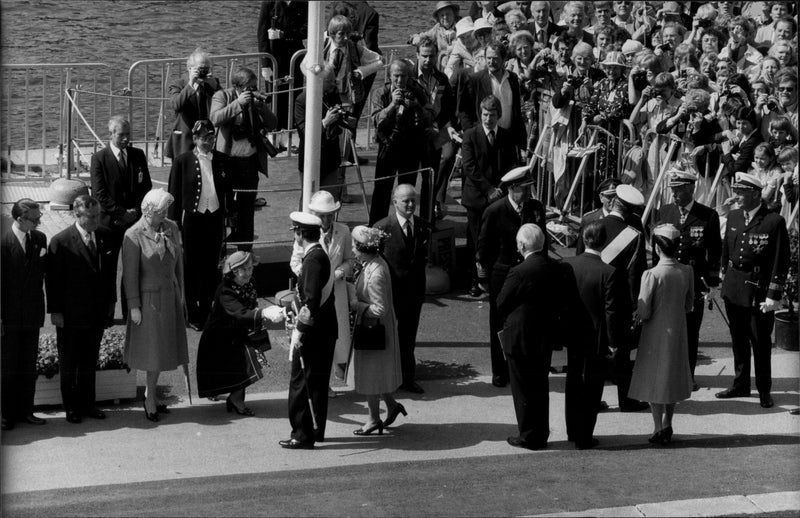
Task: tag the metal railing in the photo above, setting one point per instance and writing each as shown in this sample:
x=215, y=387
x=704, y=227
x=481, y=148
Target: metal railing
x=33, y=93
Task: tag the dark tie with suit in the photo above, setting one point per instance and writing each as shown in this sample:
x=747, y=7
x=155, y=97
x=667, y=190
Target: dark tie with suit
x=409, y=236
x=338, y=58
x=202, y=107
x=490, y=136
x=28, y=246
x=92, y=250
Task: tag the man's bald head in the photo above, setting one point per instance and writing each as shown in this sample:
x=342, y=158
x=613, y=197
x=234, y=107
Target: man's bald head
x=530, y=238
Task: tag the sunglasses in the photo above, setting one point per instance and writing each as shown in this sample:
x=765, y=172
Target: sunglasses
x=786, y=89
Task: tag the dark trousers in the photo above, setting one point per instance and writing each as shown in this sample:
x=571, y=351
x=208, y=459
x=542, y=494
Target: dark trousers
x=531, y=393
x=19, y=349
x=750, y=328
x=474, y=217
x=408, y=315
x=404, y=165
x=693, y=322
x=499, y=363
x=318, y=357
x=202, y=246
x=622, y=369
x=245, y=176
x=583, y=393
x=78, y=349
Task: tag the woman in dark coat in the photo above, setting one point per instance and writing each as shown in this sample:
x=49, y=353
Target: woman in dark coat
x=224, y=363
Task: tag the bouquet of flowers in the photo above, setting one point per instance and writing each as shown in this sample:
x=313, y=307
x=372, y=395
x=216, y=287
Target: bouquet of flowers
x=112, y=348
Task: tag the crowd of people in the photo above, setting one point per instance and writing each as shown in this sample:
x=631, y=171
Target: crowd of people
x=706, y=91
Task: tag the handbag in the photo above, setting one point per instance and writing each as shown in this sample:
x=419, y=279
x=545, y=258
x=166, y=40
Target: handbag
x=369, y=337
x=258, y=338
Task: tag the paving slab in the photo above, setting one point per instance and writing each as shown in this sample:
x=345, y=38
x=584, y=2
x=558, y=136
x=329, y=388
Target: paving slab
x=717, y=506
x=776, y=502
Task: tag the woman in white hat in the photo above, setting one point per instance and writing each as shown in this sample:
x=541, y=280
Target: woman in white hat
x=335, y=240
x=224, y=362
x=661, y=375
x=443, y=32
x=376, y=373
x=467, y=53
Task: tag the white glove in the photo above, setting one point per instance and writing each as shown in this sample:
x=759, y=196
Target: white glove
x=770, y=305
x=274, y=314
x=295, y=343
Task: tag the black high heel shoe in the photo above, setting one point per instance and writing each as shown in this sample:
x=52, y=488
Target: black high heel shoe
x=377, y=426
x=397, y=410
x=656, y=438
x=230, y=406
x=151, y=416
x=666, y=435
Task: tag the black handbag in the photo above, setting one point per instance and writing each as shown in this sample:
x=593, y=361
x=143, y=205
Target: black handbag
x=258, y=338
x=368, y=337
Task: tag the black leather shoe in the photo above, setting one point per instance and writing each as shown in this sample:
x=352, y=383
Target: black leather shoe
x=32, y=419
x=475, y=291
x=637, y=406
x=74, y=418
x=519, y=443
x=766, y=401
x=318, y=437
x=602, y=407
x=499, y=381
x=162, y=409
x=392, y=416
x=695, y=386
x=7, y=424
x=294, y=444
x=587, y=445
x=412, y=387
x=732, y=393
x=96, y=413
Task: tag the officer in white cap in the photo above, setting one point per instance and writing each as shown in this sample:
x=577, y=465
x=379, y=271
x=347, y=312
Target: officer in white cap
x=699, y=246
x=313, y=338
x=336, y=241
x=755, y=260
x=625, y=250
x=497, y=251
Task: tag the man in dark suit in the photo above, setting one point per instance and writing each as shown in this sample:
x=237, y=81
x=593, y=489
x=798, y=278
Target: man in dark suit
x=601, y=320
x=497, y=252
x=487, y=153
x=406, y=253
x=700, y=247
x=120, y=179
x=504, y=85
x=528, y=314
x=443, y=103
x=606, y=192
x=23, y=250
x=191, y=101
x=313, y=338
x=543, y=29
x=625, y=251
x=755, y=260
x=80, y=298
x=200, y=183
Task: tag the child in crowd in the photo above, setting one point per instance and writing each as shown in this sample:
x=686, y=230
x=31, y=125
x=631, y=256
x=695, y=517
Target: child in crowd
x=766, y=169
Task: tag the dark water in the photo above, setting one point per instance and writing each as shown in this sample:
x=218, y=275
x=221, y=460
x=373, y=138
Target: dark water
x=119, y=33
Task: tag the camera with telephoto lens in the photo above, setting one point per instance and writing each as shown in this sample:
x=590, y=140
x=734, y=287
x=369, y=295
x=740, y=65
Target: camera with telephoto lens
x=258, y=96
x=203, y=72
x=546, y=64
x=574, y=81
x=347, y=119
x=772, y=104
x=640, y=79
x=666, y=47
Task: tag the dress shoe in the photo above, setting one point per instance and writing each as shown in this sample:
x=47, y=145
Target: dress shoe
x=695, y=386
x=7, y=424
x=637, y=406
x=766, y=401
x=150, y=416
x=162, y=409
x=32, y=419
x=666, y=435
x=96, y=413
x=231, y=406
x=319, y=437
x=732, y=393
x=794, y=411
x=413, y=387
x=294, y=444
x=587, y=445
x=655, y=438
x=260, y=202
x=397, y=410
x=475, y=291
x=602, y=407
x=499, y=381
x=73, y=417
x=196, y=326
x=332, y=393
x=519, y=443
x=368, y=431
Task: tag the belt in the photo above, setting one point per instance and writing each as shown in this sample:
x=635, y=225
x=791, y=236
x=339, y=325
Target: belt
x=745, y=269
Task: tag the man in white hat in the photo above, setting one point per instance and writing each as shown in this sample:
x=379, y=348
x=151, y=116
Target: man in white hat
x=336, y=241
x=313, y=338
x=625, y=250
x=699, y=246
x=496, y=252
x=755, y=260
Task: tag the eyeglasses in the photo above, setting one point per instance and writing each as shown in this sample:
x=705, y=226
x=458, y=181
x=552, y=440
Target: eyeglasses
x=786, y=89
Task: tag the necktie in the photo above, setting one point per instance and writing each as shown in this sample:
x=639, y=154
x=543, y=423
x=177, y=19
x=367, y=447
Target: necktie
x=28, y=246
x=684, y=212
x=202, y=108
x=92, y=249
x=327, y=238
x=491, y=138
x=541, y=36
x=123, y=163
x=409, y=235
x=338, y=57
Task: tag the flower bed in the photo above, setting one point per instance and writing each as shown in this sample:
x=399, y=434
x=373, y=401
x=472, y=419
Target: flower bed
x=114, y=381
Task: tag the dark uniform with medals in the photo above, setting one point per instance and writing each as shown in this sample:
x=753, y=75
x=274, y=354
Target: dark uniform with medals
x=755, y=261
x=699, y=246
x=497, y=253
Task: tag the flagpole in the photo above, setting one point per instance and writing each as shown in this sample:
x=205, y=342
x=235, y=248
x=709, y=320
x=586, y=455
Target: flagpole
x=313, y=134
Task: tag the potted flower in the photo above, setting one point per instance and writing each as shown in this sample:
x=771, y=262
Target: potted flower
x=114, y=379
x=786, y=336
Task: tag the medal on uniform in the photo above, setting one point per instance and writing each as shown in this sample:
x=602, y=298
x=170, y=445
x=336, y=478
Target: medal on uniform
x=696, y=234
x=758, y=242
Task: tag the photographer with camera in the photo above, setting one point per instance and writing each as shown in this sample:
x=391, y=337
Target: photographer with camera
x=243, y=119
x=403, y=118
x=191, y=100
x=738, y=48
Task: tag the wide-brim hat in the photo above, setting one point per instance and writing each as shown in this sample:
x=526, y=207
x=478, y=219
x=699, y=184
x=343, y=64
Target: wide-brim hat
x=323, y=202
x=615, y=58
x=443, y=5
x=464, y=26
x=304, y=220
x=668, y=231
x=481, y=24
x=237, y=259
x=746, y=181
x=629, y=195
x=678, y=178
x=517, y=176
